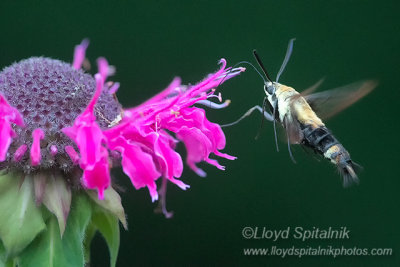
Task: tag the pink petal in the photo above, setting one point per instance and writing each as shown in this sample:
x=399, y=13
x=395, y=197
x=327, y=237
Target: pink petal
x=92, y=103
x=203, y=85
x=89, y=140
x=79, y=54
x=8, y=114
x=114, y=88
x=212, y=130
x=20, y=152
x=70, y=132
x=99, y=176
x=102, y=64
x=170, y=160
x=223, y=155
x=37, y=135
x=171, y=88
x=53, y=150
x=6, y=135
x=195, y=118
x=86, y=133
x=144, y=140
x=73, y=155
x=215, y=163
x=139, y=166
x=198, y=146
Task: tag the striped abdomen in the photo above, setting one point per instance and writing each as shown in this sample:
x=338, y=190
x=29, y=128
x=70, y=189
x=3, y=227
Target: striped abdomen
x=321, y=140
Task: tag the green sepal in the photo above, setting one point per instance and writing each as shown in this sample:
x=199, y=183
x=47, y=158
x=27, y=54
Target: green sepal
x=90, y=233
x=46, y=250
x=4, y=262
x=75, y=233
x=31, y=234
x=111, y=203
x=21, y=220
x=2, y=255
x=57, y=199
x=107, y=224
x=49, y=249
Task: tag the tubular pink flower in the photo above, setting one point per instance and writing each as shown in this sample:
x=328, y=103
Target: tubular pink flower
x=73, y=155
x=86, y=133
x=143, y=130
x=37, y=135
x=113, y=88
x=139, y=166
x=84, y=130
x=20, y=152
x=143, y=137
x=170, y=161
x=8, y=114
x=98, y=177
x=79, y=54
x=89, y=138
x=53, y=150
x=103, y=68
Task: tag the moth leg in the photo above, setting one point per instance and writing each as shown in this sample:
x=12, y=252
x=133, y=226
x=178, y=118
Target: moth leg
x=289, y=149
x=267, y=116
x=214, y=105
x=262, y=120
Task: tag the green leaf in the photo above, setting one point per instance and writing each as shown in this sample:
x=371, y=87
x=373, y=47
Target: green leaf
x=21, y=220
x=74, y=236
x=50, y=250
x=46, y=250
x=108, y=226
x=90, y=232
x=111, y=202
x=3, y=256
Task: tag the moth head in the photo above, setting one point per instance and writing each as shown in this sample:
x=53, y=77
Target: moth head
x=269, y=85
x=269, y=88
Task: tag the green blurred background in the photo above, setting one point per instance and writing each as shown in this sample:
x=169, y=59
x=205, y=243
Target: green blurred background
x=151, y=42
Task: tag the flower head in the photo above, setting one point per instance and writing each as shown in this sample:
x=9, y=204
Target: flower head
x=144, y=133
x=62, y=130
x=74, y=126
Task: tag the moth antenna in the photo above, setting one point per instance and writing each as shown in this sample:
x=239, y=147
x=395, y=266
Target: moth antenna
x=274, y=123
x=262, y=119
x=261, y=65
x=287, y=57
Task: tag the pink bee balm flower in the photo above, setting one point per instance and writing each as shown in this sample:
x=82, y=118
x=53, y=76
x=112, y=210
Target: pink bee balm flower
x=79, y=128
x=8, y=115
x=144, y=134
x=61, y=132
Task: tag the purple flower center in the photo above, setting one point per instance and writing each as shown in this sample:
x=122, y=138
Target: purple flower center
x=50, y=94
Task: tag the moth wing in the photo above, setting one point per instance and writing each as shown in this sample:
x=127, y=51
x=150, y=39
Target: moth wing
x=328, y=103
x=313, y=87
x=294, y=135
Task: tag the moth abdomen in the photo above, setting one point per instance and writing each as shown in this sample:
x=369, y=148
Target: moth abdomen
x=323, y=142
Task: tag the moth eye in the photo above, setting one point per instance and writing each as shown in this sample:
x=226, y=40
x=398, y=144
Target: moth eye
x=271, y=89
